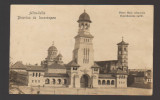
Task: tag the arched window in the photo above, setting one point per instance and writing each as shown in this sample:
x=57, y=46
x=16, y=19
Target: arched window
x=125, y=49
x=99, y=82
x=108, y=82
x=59, y=81
x=112, y=82
x=103, y=82
x=39, y=74
x=47, y=81
x=36, y=74
x=54, y=81
x=65, y=81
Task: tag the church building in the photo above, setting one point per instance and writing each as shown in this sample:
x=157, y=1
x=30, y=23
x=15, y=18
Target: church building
x=82, y=71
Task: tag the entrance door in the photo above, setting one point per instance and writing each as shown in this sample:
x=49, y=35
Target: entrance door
x=84, y=81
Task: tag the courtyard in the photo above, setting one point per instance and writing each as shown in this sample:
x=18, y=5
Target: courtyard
x=80, y=91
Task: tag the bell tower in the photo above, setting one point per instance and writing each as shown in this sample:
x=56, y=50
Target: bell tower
x=123, y=55
x=83, y=49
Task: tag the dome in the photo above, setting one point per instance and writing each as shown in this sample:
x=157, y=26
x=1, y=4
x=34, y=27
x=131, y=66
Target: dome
x=84, y=17
x=60, y=55
x=52, y=48
x=122, y=42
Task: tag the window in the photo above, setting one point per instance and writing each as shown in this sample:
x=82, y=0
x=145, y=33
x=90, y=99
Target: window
x=38, y=81
x=35, y=81
x=47, y=81
x=36, y=74
x=125, y=49
x=32, y=81
x=59, y=81
x=54, y=81
x=65, y=81
x=99, y=82
x=39, y=74
x=33, y=74
x=74, y=68
x=103, y=82
x=112, y=82
x=108, y=82
x=95, y=69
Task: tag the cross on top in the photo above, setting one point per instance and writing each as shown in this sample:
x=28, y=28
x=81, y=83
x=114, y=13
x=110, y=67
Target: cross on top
x=53, y=43
x=122, y=38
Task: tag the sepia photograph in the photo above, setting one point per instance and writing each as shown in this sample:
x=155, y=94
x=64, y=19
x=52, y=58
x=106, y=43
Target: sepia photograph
x=81, y=50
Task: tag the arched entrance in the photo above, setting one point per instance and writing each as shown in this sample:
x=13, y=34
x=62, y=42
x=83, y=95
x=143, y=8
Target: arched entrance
x=85, y=81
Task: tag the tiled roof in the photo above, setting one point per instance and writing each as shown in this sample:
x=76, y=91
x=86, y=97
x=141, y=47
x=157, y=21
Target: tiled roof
x=55, y=75
x=95, y=66
x=103, y=63
x=72, y=64
x=106, y=76
x=56, y=66
x=18, y=65
x=35, y=68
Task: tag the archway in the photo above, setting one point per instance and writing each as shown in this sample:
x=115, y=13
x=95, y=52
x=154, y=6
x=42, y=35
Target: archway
x=85, y=81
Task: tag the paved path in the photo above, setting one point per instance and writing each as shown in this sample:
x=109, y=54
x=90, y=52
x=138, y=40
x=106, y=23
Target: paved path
x=87, y=91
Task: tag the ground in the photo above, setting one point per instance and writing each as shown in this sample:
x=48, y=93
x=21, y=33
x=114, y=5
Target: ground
x=80, y=91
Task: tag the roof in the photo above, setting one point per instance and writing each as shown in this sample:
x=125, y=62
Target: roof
x=59, y=55
x=84, y=35
x=121, y=72
x=103, y=63
x=122, y=43
x=106, y=76
x=95, y=66
x=55, y=75
x=35, y=68
x=84, y=17
x=137, y=74
x=56, y=66
x=73, y=64
x=52, y=48
x=18, y=65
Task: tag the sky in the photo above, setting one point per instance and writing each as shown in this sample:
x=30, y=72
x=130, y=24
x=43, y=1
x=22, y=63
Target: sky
x=31, y=38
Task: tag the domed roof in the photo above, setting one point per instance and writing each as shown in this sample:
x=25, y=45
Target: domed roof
x=52, y=48
x=59, y=55
x=84, y=17
x=122, y=42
